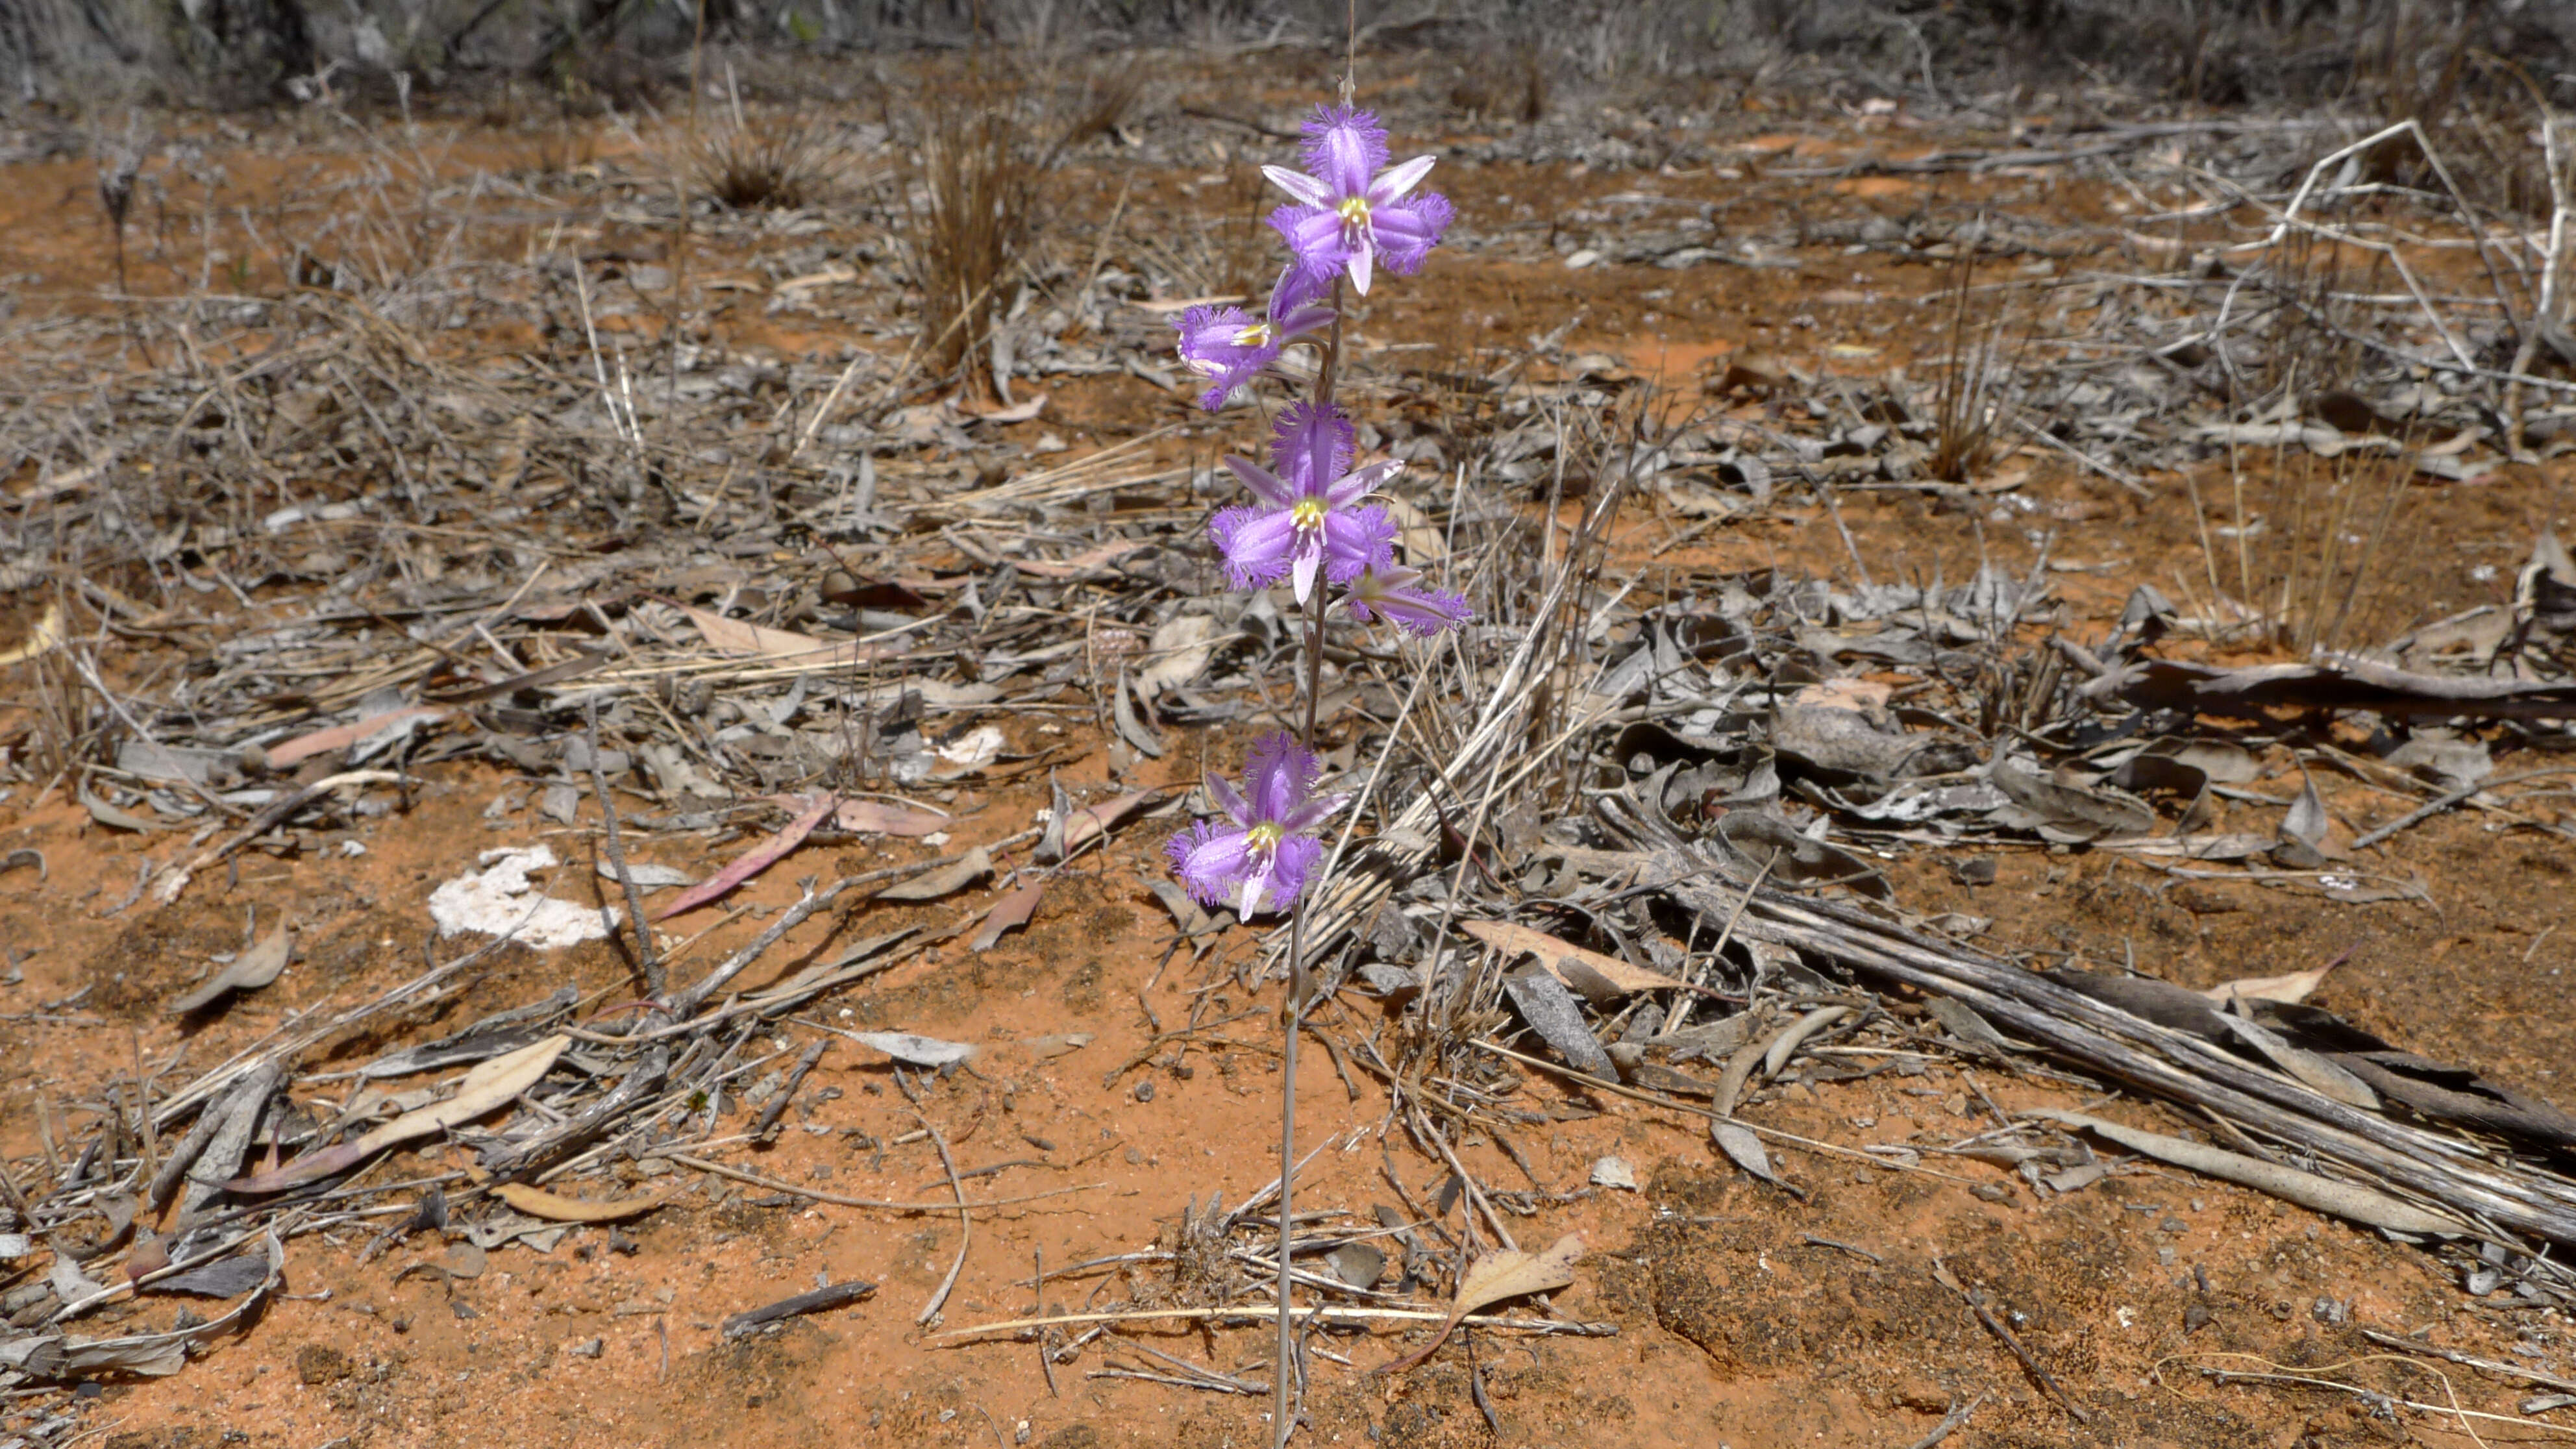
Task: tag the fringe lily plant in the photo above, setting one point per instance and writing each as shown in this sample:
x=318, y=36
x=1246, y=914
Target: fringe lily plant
x=1309, y=525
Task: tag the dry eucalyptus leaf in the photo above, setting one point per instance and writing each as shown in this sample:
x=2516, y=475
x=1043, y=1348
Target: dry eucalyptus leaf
x=110, y=816
x=249, y=971
x=1357, y=1264
x=737, y=636
x=967, y=869
x=2293, y=988
x=2317, y=1073
x=1187, y=915
x=487, y=1088
x=2326, y=1195
x=648, y=876
x=1180, y=651
x=1009, y=912
x=2306, y=822
x=2066, y=813
x=1551, y=952
x=224, y=1278
x=1063, y=1043
x=1742, y=1148
x=916, y=1051
x=1133, y=725
x=1550, y=1010
x=877, y=817
x=1496, y=1276
x=1091, y=820
x=536, y=1202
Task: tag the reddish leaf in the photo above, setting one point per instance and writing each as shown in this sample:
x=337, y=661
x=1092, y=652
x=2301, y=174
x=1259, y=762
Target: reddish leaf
x=1010, y=911
x=753, y=861
x=340, y=737
x=1091, y=820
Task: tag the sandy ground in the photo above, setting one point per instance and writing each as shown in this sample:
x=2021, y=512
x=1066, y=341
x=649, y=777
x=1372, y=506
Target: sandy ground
x=1744, y=1317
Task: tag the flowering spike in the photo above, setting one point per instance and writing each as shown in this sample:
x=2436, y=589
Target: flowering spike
x=1350, y=216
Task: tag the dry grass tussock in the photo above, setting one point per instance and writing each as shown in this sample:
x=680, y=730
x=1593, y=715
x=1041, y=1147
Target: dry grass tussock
x=2296, y=555
x=982, y=144
x=1980, y=354
x=780, y=163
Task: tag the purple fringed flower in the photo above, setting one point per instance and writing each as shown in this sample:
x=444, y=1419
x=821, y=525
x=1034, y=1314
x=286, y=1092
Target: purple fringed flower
x=1265, y=855
x=1347, y=217
x=1387, y=591
x=1309, y=517
x=1229, y=348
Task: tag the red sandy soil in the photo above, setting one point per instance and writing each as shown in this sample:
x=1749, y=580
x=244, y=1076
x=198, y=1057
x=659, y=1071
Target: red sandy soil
x=1745, y=1318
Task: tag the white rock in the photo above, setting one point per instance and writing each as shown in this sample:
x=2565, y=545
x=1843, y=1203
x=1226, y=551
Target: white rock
x=1614, y=1172
x=500, y=900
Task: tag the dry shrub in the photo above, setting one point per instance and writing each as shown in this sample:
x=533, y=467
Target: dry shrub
x=2479, y=111
x=970, y=194
x=2310, y=342
x=1506, y=83
x=777, y=164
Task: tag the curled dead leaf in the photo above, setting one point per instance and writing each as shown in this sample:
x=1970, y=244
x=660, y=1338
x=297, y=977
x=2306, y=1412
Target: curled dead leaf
x=249, y=971
x=1508, y=1273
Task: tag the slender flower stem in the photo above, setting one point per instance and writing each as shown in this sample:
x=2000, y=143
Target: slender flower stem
x=1283, y=1398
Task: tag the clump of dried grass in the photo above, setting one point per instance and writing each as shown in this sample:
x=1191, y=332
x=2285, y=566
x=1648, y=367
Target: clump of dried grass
x=1108, y=94
x=2296, y=560
x=1969, y=410
x=2313, y=338
x=773, y=164
x=970, y=198
x=2478, y=111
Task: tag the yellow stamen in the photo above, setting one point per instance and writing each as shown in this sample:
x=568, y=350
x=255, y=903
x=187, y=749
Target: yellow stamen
x=1256, y=335
x=1263, y=839
x=1307, y=514
x=1355, y=211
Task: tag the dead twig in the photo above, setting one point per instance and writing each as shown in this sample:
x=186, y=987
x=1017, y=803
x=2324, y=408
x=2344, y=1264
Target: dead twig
x=965, y=1226
x=1950, y=1422
x=2038, y=1372
x=647, y=960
